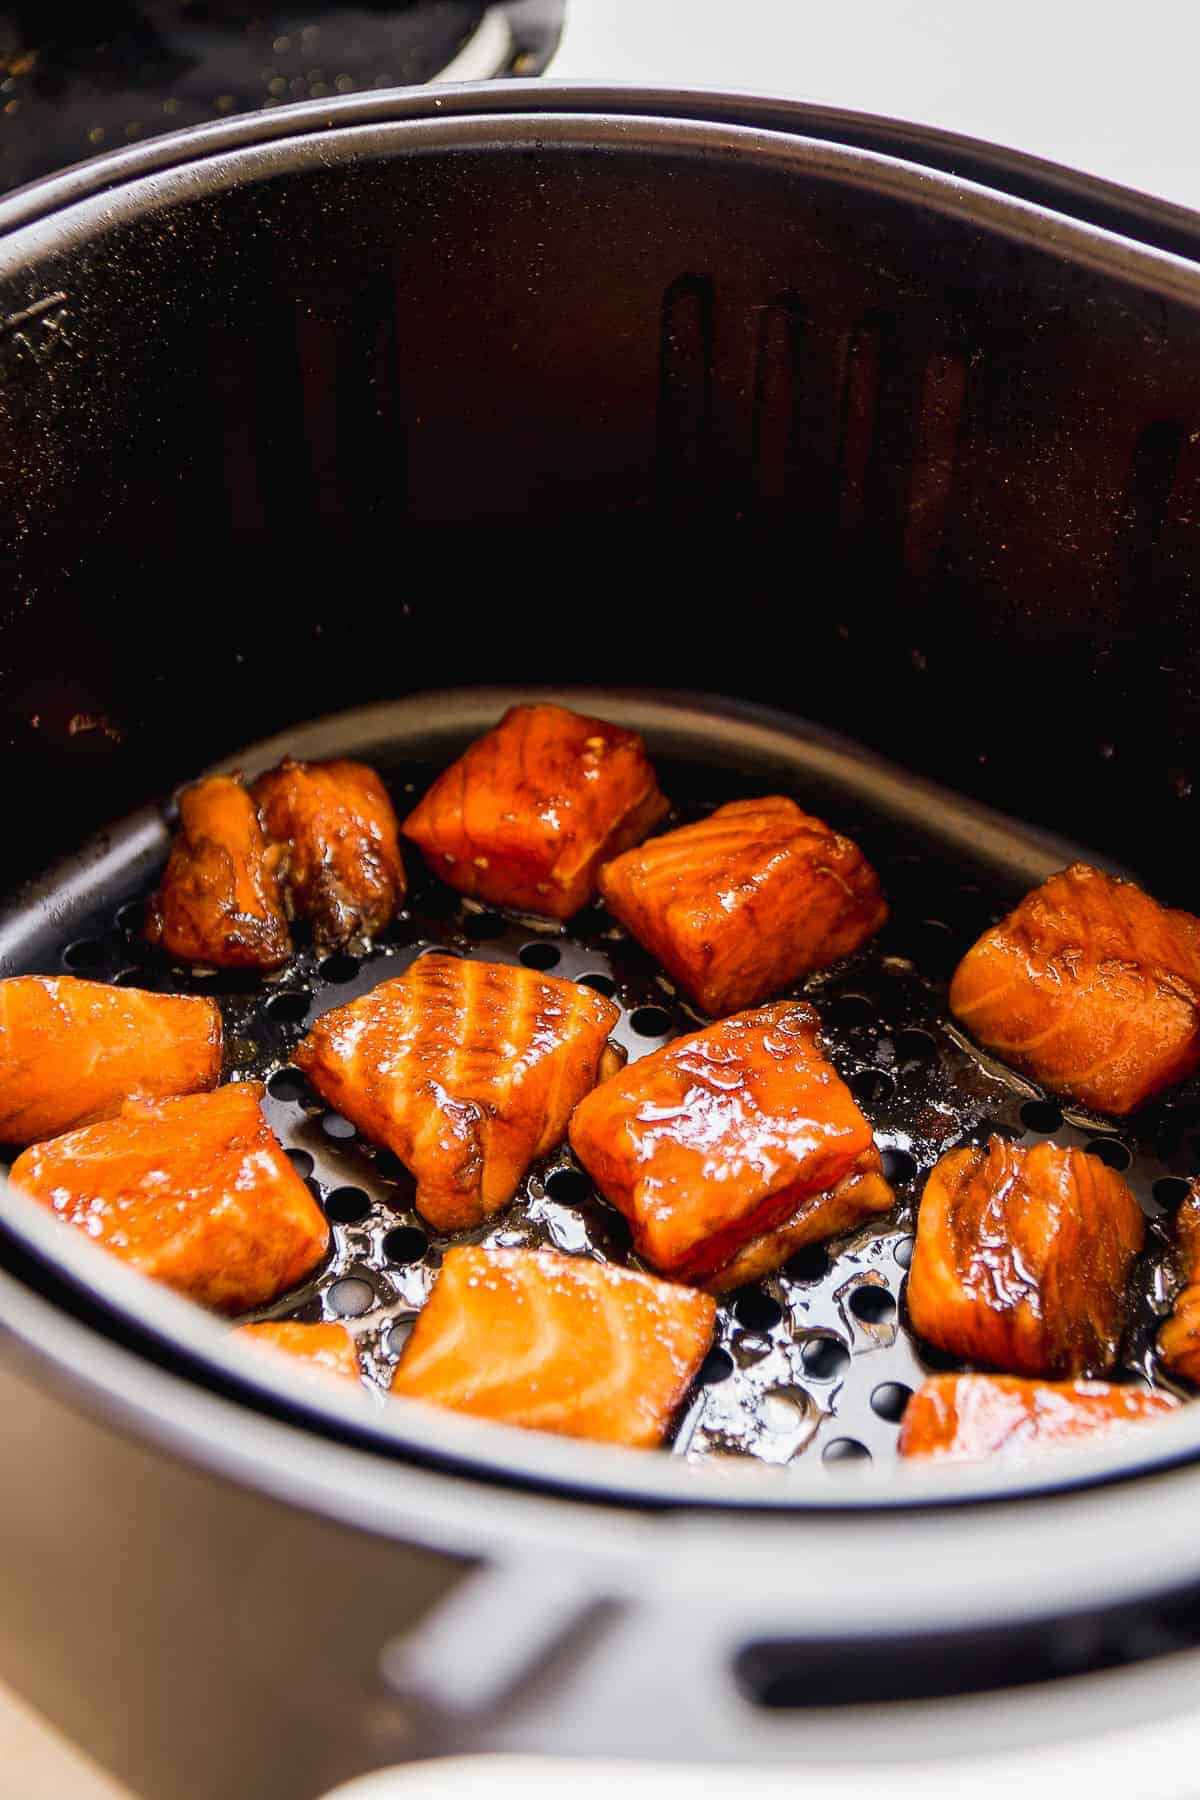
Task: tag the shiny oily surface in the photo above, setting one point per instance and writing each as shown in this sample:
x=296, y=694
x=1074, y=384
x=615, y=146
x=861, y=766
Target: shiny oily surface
x=814, y=1364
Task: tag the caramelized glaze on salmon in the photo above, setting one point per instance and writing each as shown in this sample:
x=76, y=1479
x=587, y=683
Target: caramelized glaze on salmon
x=556, y=1343
x=1022, y=1257
x=965, y=1418
x=342, y=866
x=327, y=1347
x=219, y=900
x=466, y=1070
x=1091, y=987
x=1179, y=1339
x=740, y=904
x=729, y=1148
x=527, y=815
x=72, y=1051
x=194, y=1192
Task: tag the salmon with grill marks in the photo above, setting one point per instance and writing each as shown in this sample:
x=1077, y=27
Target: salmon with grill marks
x=74, y=1051
x=341, y=866
x=219, y=900
x=1179, y=1338
x=467, y=1070
x=1022, y=1257
x=739, y=905
x=556, y=1343
x=731, y=1148
x=1089, y=986
x=195, y=1193
x=965, y=1418
x=526, y=816
x=327, y=1347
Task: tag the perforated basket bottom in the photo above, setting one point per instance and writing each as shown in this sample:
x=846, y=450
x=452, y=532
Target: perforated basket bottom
x=817, y=1360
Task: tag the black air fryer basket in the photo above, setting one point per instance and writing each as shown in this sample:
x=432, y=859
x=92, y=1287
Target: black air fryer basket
x=840, y=462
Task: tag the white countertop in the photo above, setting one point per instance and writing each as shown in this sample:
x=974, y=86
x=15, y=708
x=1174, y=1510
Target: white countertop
x=1097, y=84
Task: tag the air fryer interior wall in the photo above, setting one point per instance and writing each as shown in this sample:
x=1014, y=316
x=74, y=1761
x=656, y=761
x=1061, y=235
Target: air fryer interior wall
x=551, y=396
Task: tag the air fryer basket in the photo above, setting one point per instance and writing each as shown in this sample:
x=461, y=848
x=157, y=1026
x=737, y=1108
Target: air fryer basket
x=303, y=414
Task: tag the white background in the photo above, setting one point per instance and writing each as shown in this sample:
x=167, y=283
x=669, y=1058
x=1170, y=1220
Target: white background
x=1109, y=86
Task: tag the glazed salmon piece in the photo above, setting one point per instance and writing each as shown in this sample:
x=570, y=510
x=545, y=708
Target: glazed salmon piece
x=731, y=1147
x=1179, y=1339
x=556, y=1343
x=527, y=815
x=219, y=900
x=1022, y=1257
x=742, y=903
x=195, y=1193
x=342, y=866
x=965, y=1418
x=468, y=1071
x=73, y=1051
x=1091, y=987
x=327, y=1347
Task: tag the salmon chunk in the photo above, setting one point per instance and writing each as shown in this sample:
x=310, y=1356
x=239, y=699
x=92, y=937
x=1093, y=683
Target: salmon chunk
x=72, y=1051
x=527, y=815
x=965, y=1418
x=1179, y=1339
x=341, y=866
x=468, y=1071
x=556, y=1343
x=739, y=905
x=1091, y=987
x=729, y=1149
x=219, y=900
x=326, y=1347
x=195, y=1193
x=1022, y=1257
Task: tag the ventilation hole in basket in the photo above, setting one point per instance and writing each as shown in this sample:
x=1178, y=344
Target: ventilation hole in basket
x=571, y=1186
x=85, y=953
x=915, y=1049
x=1172, y=1190
x=541, y=956
x=903, y=1252
x=290, y=1008
x=1111, y=1151
x=1042, y=1116
x=934, y=949
x=899, y=1166
x=289, y=1084
x=650, y=1021
x=399, y=1333
x=406, y=1244
x=132, y=917
x=350, y=1297
x=889, y=1400
x=336, y=1127
x=808, y=1264
x=482, y=925
x=845, y=1450
x=872, y=1304
x=824, y=1358
x=339, y=967
x=301, y=1161
x=388, y=1164
x=619, y=1230
x=757, y=1310
x=400, y=931
x=127, y=978
x=852, y=1009
x=601, y=984
x=347, y=1205
x=870, y=1086
x=716, y=1367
